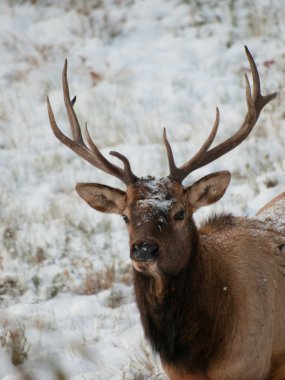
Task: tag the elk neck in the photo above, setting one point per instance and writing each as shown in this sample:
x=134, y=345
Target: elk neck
x=186, y=324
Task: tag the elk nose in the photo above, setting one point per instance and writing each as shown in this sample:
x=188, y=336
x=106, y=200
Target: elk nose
x=144, y=251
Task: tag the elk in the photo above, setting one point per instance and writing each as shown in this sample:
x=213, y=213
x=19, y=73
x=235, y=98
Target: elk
x=211, y=300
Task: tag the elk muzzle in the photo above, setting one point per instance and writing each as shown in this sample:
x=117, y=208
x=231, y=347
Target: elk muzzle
x=144, y=251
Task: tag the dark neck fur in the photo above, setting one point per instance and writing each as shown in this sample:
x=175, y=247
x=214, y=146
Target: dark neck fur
x=186, y=326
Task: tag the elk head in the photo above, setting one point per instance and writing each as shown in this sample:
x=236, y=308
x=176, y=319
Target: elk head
x=158, y=213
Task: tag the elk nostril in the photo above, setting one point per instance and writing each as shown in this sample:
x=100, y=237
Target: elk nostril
x=154, y=249
x=145, y=251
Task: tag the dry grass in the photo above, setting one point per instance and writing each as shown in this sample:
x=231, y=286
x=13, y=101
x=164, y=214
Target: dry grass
x=94, y=282
x=143, y=367
x=15, y=343
x=126, y=274
x=115, y=299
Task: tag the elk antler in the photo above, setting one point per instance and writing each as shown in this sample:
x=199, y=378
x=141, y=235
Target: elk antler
x=91, y=153
x=255, y=103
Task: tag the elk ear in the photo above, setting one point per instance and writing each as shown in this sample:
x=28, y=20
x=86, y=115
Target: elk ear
x=208, y=189
x=103, y=198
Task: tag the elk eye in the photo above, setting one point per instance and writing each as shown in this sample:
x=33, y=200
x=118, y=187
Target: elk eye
x=126, y=219
x=179, y=215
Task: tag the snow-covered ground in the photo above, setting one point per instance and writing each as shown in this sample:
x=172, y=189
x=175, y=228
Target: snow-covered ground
x=136, y=66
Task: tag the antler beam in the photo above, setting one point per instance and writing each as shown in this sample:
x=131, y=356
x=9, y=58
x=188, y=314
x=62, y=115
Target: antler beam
x=91, y=154
x=255, y=103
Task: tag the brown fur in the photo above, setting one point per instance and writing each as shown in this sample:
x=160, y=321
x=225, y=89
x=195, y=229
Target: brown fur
x=271, y=203
x=175, y=374
x=183, y=328
x=217, y=222
x=278, y=369
x=212, y=304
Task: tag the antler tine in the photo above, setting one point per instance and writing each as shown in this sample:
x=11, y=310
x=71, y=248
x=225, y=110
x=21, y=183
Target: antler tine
x=73, y=121
x=126, y=175
x=178, y=174
x=258, y=100
x=171, y=162
x=127, y=167
x=92, y=154
x=255, y=103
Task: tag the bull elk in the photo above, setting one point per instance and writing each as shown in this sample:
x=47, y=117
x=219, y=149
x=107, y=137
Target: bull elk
x=211, y=300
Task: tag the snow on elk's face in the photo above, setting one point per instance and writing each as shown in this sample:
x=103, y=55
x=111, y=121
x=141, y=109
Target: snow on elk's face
x=158, y=215
x=159, y=224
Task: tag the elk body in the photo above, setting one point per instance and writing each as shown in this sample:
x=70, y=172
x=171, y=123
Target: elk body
x=211, y=300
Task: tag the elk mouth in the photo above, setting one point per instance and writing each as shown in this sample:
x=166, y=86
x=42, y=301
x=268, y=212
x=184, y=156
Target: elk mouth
x=149, y=267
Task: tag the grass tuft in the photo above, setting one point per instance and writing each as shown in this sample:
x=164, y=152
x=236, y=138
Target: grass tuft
x=94, y=282
x=16, y=344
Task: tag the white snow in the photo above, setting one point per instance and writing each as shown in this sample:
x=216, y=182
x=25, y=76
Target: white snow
x=136, y=66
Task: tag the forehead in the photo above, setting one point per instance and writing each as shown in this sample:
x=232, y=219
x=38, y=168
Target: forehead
x=155, y=195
